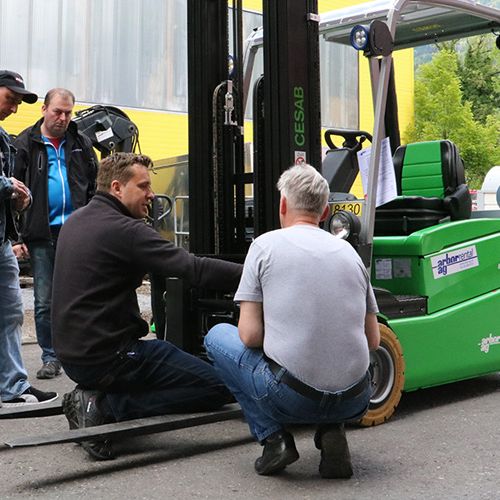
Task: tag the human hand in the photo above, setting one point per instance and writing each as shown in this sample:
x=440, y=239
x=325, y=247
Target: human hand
x=21, y=197
x=20, y=251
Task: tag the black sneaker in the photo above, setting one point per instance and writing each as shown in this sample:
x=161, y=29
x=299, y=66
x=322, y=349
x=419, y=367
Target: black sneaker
x=32, y=396
x=49, y=370
x=80, y=408
x=279, y=451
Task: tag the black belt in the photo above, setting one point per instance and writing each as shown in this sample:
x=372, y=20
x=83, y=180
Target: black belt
x=311, y=392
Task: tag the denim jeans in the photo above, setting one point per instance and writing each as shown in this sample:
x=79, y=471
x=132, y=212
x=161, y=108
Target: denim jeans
x=42, y=255
x=153, y=377
x=267, y=403
x=13, y=376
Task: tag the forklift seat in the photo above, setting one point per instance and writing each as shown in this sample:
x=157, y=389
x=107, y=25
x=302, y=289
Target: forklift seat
x=431, y=186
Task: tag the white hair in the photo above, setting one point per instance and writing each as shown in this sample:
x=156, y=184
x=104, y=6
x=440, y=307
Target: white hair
x=304, y=188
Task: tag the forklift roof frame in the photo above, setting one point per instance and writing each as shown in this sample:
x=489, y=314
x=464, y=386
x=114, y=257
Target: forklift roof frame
x=411, y=23
x=415, y=22
x=472, y=18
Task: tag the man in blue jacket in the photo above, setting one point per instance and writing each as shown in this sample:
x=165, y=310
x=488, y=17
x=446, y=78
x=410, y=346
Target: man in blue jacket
x=58, y=165
x=14, y=197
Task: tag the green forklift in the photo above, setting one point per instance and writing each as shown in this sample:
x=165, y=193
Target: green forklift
x=435, y=263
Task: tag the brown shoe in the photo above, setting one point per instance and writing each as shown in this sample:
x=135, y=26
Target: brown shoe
x=335, y=457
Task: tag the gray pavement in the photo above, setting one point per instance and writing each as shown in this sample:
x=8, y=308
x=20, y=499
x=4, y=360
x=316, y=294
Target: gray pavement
x=442, y=443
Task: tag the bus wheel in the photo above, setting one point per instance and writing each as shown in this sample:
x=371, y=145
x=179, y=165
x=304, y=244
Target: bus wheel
x=387, y=369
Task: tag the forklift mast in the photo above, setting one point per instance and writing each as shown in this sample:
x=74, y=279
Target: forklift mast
x=291, y=110
x=288, y=122
x=207, y=68
x=287, y=118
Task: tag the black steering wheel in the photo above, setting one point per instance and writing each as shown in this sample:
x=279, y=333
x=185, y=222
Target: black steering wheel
x=353, y=139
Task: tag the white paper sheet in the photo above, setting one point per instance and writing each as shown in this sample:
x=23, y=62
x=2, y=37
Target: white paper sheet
x=386, y=187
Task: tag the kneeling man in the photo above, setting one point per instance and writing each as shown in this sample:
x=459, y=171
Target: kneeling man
x=104, y=251
x=308, y=318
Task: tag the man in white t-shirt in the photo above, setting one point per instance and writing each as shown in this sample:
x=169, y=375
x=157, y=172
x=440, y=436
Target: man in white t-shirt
x=307, y=321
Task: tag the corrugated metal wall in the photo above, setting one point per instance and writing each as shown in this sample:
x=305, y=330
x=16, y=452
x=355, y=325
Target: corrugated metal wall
x=132, y=54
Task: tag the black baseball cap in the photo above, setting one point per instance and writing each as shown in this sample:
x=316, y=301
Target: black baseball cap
x=14, y=81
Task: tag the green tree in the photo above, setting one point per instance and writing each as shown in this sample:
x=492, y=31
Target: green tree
x=442, y=113
x=479, y=73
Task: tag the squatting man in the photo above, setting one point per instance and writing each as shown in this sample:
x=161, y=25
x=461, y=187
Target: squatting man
x=307, y=320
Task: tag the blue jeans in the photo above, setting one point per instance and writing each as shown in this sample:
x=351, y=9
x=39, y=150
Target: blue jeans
x=42, y=255
x=153, y=377
x=267, y=403
x=13, y=376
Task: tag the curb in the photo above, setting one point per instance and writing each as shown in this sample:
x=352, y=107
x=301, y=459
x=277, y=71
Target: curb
x=26, y=281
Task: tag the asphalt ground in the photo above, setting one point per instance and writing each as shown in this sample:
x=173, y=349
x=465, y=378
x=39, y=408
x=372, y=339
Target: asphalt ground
x=442, y=443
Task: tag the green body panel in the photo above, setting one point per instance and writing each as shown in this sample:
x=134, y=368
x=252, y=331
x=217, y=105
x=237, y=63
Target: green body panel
x=448, y=263
x=456, y=265
x=422, y=170
x=460, y=342
x=435, y=238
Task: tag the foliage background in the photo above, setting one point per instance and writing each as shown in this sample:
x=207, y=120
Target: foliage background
x=457, y=96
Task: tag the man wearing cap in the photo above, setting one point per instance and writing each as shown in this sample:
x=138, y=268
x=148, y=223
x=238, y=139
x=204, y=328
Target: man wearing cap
x=58, y=165
x=14, y=198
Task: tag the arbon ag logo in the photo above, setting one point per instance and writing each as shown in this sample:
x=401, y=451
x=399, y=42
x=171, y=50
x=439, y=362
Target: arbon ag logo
x=454, y=262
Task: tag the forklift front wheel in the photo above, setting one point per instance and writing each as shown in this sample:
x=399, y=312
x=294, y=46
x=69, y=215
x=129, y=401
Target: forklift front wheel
x=387, y=369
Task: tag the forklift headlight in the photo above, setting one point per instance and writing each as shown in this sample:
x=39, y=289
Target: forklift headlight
x=345, y=225
x=359, y=37
x=374, y=40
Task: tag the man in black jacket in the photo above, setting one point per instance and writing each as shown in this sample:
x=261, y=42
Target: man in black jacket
x=103, y=253
x=58, y=165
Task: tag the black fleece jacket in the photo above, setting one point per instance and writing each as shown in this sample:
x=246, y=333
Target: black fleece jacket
x=102, y=256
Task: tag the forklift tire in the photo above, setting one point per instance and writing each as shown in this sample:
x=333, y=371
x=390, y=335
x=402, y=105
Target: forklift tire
x=387, y=369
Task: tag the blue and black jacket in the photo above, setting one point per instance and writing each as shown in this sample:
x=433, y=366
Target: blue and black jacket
x=60, y=180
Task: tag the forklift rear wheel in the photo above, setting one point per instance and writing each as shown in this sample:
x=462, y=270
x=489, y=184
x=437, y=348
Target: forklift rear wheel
x=387, y=371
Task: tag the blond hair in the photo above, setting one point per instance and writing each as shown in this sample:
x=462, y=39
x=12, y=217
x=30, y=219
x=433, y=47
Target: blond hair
x=118, y=166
